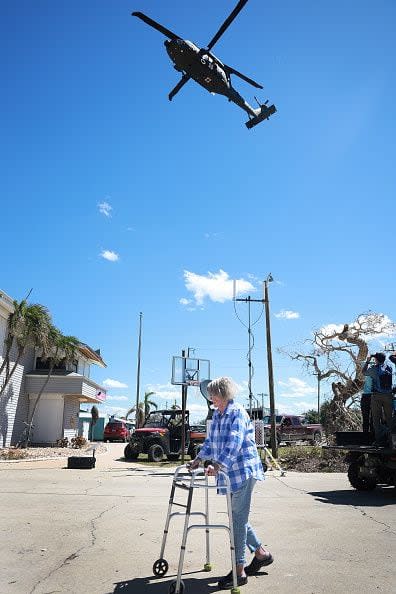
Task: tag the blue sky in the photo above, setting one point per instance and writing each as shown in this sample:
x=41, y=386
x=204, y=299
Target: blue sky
x=116, y=201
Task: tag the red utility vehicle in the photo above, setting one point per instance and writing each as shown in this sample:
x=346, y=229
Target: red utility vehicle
x=161, y=435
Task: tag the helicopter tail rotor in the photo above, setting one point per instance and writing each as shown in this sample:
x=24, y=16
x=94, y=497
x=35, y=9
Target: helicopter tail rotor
x=262, y=113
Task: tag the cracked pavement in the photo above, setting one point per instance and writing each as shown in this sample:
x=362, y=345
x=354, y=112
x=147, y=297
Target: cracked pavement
x=99, y=531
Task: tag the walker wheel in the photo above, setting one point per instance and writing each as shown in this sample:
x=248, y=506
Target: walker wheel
x=172, y=587
x=235, y=591
x=160, y=567
x=207, y=567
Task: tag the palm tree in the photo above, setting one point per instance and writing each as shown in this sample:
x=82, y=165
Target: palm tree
x=148, y=403
x=59, y=348
x=28, y=326
x=143, y=409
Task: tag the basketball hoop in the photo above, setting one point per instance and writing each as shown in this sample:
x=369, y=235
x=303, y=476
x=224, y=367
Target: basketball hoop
x=192, y=382
x=187, y=371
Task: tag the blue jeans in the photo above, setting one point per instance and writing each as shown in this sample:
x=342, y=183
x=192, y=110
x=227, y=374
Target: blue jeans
x=244, y=535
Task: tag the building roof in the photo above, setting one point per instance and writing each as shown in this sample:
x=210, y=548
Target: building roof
x=91, y=355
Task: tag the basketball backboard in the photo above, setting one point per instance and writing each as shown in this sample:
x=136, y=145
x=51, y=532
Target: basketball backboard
x=189, y=372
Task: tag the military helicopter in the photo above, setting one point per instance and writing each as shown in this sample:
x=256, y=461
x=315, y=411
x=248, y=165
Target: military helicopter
x=207, y=70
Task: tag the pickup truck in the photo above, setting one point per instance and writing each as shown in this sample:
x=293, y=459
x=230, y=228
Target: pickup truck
x=291, y=428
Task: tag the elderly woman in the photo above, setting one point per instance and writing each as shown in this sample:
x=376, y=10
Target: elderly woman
x=232, y=448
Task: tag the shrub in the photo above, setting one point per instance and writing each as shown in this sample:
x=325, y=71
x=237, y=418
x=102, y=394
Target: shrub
x=78, y=442
x=62, y=443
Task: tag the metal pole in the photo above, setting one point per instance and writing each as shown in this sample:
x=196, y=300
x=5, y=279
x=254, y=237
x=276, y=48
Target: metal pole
x=262, y=403
x=270, y=369
x=250, y=362
x=184, y=399
x=319, y=378
x=138, y=373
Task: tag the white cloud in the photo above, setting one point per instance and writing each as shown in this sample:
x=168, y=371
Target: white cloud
x=331, y=329
x=212, y=235
x=297, y=408
x=105, y=209
x=383, y=325
x=116, y=410
x=116, y=398
x=218, y=286
x=165, y=392
x=109, y=255
x=110, y=383
x=184, y=301
x=295, y=388
x=287, y=314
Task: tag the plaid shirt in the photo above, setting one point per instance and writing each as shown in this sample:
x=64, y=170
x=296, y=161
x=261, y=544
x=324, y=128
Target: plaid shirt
x=231, y=444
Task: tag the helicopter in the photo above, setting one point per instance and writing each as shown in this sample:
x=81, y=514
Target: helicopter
x=201, y=65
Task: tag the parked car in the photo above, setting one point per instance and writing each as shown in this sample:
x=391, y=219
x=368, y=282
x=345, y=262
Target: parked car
x=116, y=430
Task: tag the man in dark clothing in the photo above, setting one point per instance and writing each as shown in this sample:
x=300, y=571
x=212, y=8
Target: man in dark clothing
x=382, y=398
x=365, y=404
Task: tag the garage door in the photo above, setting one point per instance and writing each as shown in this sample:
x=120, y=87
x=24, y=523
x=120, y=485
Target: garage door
x=48, y=420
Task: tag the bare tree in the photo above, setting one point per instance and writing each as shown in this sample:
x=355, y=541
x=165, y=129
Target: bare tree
x=339, y=352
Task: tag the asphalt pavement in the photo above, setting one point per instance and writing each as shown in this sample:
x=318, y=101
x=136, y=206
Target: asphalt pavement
x=99, y=532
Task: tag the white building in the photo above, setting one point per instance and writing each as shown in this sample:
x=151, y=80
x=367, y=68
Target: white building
x=57, y=413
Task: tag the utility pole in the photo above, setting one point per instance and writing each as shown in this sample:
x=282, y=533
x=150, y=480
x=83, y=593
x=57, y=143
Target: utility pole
x=262, y=403
x=138, y=373
x=274, y=442
x=184, y=400
x=265, y=300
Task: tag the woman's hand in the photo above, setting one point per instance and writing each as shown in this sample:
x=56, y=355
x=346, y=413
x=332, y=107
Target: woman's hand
x=212, y=469
x=194, y=464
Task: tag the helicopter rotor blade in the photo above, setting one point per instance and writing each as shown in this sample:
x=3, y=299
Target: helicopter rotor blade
x=227, y=23
x=156, y=25
x=185, y=78
x=243, y=77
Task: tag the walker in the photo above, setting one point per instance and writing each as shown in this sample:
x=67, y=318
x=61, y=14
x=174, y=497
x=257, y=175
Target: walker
x=182, y=479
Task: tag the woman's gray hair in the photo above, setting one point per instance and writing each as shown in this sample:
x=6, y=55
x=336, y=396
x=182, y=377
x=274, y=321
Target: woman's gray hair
x=223, y=387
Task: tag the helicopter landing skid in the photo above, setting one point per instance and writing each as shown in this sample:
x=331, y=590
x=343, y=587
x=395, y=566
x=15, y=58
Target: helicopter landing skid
x=264, y=114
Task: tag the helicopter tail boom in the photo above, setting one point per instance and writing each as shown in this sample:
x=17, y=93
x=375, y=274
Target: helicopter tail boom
x=262, y=113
